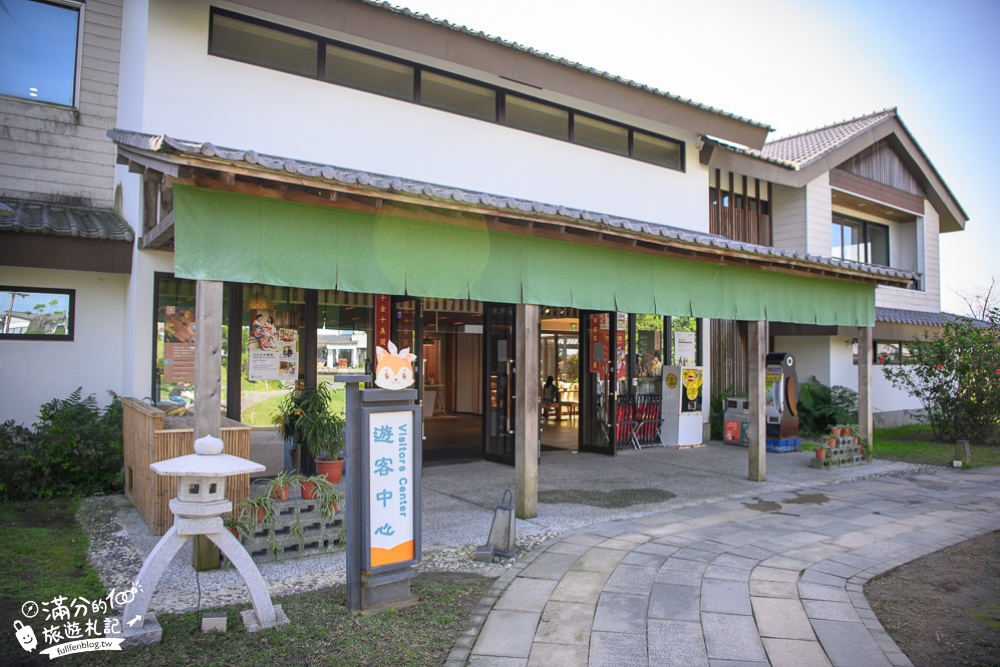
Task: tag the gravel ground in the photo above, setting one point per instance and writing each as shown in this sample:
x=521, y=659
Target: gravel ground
x=458, y=504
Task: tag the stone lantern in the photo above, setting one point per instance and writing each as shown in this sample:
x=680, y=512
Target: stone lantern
x=198, y=508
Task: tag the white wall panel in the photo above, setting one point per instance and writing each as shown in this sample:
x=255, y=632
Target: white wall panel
x=35, y=372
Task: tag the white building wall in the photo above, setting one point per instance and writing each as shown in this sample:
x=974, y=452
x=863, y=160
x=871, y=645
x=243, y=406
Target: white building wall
x=788, y=213
x=819, y=215
x=811, y=353
x=246, y=106
x=35, y=372
x=843, y=370
x=929, y=264
x=831, y=360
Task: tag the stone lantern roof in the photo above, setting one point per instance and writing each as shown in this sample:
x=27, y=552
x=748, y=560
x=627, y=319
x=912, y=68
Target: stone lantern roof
x=207, y=461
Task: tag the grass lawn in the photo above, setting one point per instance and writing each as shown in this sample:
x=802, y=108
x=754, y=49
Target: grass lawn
x=262, y=414
x=916, y=444
x=44, y=555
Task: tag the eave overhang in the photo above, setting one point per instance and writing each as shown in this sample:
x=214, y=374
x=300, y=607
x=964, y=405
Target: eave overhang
x=168, y=161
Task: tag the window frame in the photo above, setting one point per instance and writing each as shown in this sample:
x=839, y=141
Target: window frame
x=841, y=220
x=70, y=334
x=79, y=6
x=499, y=115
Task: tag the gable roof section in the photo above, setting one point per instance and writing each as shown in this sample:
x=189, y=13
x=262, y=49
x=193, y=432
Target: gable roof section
x=800, y=158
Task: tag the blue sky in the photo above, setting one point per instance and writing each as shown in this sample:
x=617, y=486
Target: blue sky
x=797, y=65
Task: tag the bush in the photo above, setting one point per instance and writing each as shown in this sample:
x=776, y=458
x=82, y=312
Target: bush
x=75, y=448
x=821, y=407
x=956, y=377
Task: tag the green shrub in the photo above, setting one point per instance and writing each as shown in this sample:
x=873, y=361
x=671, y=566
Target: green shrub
x=74, y=448
x=821, y=407
x=956, y=377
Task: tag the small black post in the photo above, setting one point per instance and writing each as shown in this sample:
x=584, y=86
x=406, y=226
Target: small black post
x=354, y=494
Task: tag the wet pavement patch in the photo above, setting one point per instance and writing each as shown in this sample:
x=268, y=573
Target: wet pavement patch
x=763, y=506
x=808, y=499
x=596, y=498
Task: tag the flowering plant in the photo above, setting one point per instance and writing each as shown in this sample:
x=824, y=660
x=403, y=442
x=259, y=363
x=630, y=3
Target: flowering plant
x=954, y=375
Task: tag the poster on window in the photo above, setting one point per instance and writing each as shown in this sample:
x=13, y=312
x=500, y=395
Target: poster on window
x=178, y=344
x=272, y=353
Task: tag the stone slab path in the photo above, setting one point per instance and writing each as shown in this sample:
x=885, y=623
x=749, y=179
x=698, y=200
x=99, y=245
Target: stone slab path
x=775, y=580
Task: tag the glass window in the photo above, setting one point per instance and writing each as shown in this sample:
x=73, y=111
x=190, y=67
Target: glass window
x=38, y=47
x=468, y=99
x=343, y=332
x=887, y=353
x=599, y=134
x=859, y=241
x=273, y=327
x=367, y=72
x=878, y=244
x=536, y=117
x=659, y=151
x=255, y=43
x=175, y=340
x=34, y=313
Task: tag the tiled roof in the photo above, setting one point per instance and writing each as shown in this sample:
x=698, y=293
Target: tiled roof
x=562, y=61
x=431, y=193
x=802, y=149
x=900, y=316
x=61, y=220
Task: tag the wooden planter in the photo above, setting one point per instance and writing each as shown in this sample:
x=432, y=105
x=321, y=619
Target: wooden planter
x=150, y=436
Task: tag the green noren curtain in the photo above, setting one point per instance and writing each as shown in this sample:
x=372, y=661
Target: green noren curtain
x=242, y=238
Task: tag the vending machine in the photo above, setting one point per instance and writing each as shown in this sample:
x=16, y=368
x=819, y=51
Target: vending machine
x=682, y=406
x=781, y=400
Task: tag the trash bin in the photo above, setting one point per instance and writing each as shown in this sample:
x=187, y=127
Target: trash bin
x=737, y=421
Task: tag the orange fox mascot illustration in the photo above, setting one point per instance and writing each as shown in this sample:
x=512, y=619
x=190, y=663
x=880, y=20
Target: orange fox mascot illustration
x=394, y=370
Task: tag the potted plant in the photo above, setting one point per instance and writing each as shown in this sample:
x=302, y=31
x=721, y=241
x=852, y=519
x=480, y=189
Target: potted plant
x=322, y=430
x=831, y=442
x=821, y=453
x=239, y=524
x=279, y=486
x=260, y=508
x=328, y=495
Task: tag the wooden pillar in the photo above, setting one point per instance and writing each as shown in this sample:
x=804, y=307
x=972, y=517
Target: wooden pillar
x=865, y=412
x=756, y=353
x=207, y=390
x=526, y=369
x=208, y=359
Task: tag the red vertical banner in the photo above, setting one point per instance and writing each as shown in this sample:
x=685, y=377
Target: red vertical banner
x=383, y=319
x=621, y=347
x=600, y=340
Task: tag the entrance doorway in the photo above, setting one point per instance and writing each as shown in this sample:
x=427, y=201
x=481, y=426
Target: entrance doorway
x=559, y=369
x=446, y=335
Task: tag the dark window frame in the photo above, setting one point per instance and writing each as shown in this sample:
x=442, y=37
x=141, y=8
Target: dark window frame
x=499, y=116
x=70, y=315
x=839, y=219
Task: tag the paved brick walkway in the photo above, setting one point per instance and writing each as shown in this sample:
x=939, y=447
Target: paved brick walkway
x=775, y=580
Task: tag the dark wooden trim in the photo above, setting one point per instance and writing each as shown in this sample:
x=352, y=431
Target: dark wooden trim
x=234, y=370
x=44, y=251
x=160, y=236
x=863, y=187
